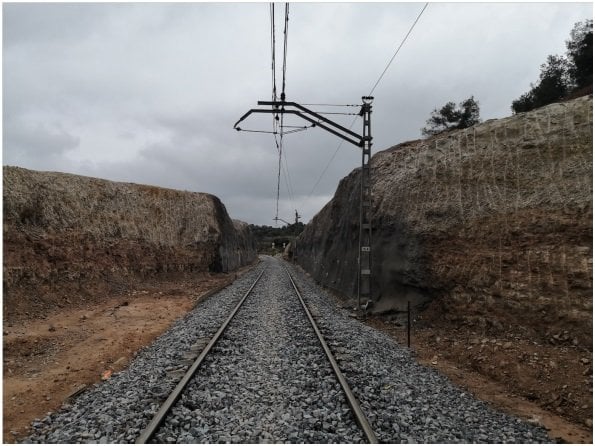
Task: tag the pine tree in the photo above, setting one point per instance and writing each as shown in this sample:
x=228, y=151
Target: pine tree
x=580, y=54
x=452, y=117
x=560, y=76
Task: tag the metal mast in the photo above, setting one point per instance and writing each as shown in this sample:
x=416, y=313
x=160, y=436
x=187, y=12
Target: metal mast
x=365, y=210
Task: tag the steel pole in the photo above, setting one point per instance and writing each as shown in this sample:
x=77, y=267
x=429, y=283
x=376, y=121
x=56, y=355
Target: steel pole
x=365, y=210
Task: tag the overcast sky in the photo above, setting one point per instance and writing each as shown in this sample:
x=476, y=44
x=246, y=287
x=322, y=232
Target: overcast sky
x=148, y=93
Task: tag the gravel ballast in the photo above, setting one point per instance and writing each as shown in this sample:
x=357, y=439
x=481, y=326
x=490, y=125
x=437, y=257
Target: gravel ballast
x=267, y=380
x=405, y=401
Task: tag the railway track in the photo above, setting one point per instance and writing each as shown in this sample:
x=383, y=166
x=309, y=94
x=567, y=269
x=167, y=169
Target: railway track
x=267, y=379
x=194, y=372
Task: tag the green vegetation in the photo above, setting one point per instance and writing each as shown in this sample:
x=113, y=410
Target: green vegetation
x=451, y=117
x=563, y=77
x=272, y=240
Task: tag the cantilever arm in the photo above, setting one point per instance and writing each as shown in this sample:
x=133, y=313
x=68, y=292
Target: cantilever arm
x=303, y=112
x=283, y=104
x=235, y=126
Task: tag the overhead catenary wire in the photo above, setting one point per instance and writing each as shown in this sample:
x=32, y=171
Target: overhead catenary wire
x=301, y=129
x=288, y=182
x=285, y=50
x=260, y=131
x=398, y=49
x=370, y=94
x=274, y=77
x=328, y=164
x=278, y=127
x=283, y=83
x=270, y=132
x=275, y=131
x=278, y=183
x=331, y=105
x=336, y=113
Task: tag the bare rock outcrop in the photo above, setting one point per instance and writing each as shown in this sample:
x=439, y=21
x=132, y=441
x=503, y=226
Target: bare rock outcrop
x=492, y=224
x=65, y=232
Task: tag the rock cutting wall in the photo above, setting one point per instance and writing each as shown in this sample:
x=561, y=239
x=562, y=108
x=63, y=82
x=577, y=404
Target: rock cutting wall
x=64, y=230
x=493, y=223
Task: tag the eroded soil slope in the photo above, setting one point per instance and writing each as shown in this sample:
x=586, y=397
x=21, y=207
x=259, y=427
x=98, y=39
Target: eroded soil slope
x=68, y=238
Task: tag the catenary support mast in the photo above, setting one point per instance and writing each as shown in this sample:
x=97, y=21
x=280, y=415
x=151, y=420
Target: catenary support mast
x=364, y=141
x=365, y=210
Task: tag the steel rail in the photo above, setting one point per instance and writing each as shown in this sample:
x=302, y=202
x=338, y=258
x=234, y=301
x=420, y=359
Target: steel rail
x=159, y=417
x=360, y=417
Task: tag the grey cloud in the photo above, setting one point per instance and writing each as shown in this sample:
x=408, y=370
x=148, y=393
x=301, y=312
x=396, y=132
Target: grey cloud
x=45, y=23
x=149, y=92
x=37, y=141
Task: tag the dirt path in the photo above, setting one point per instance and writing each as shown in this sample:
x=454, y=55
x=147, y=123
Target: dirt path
x=48, y=360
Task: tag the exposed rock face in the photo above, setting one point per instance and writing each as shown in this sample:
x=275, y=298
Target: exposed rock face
x=493, y=222
x=64, y=230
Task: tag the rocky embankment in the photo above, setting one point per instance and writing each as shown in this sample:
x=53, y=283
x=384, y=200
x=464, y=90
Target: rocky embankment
x=66, y=237
x=495, y=219
x=488, y=232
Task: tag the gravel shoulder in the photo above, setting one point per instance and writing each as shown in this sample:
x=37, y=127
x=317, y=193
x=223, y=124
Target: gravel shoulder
x=410, y=403
x=505, y=395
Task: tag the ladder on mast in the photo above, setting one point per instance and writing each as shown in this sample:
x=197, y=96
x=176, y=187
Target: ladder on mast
x=365, y=211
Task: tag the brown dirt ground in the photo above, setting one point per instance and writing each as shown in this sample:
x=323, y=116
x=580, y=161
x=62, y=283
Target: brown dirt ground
x=47, y=360
x=547, y=385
